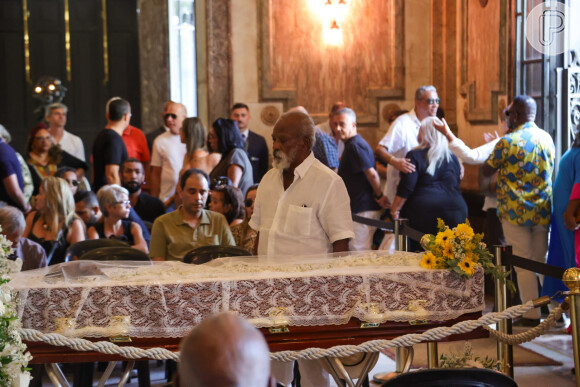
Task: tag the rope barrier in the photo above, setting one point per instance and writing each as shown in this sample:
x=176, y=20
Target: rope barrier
x=433, y=334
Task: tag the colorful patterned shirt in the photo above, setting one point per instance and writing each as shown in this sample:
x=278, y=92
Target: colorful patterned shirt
x=525, y=162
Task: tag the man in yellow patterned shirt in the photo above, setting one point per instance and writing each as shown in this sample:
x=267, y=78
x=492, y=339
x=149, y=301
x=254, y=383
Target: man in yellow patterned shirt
x=524, y=159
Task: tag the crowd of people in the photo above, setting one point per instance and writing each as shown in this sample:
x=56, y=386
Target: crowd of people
x=184, y=186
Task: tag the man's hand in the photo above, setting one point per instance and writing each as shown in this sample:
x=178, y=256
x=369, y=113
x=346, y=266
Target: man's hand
x=383, y=201
x=403, y=165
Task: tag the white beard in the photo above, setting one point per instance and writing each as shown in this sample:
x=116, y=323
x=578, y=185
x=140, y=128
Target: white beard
x=280, y=160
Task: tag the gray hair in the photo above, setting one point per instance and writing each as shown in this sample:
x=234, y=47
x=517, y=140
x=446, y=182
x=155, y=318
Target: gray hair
x=110, y=194
x=53, y=106
x=5, y=134
x=436, y=142
x=348, y=111
x=12, y=220
x=420, y=93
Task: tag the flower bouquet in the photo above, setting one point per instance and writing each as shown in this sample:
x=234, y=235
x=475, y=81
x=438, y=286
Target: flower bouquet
x=13, y=359
x=460, y=250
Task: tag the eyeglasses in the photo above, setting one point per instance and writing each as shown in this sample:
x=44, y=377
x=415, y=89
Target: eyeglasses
x=249, y=202
x=432, y=101
x=172, y=115
x=124, y=202
x=73, y=182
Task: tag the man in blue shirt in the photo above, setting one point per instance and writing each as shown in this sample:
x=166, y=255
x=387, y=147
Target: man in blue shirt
x=11, y=189
x=357, y=169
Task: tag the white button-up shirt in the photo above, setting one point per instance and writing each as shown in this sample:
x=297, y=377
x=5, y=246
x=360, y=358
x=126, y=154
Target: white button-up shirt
x=400, y=139
x=308, y=217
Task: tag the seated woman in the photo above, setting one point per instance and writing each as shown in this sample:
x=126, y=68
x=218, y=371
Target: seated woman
x=115, y=206
x=70, y=176
x=243, y=234
x=42, y=163
x=44, y=156
x=224, y=137
x=53, y=224
x=432, y=191
x=229, y=202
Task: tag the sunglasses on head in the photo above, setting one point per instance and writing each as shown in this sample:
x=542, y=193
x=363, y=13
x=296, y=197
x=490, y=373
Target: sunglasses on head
x=219, y=182
x=172, y=115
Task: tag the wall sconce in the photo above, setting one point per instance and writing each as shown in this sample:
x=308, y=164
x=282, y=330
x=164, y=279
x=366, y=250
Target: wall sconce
x=334, y=12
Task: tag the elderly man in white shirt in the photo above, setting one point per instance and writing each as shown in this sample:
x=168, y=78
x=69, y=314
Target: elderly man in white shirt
x=302, y=207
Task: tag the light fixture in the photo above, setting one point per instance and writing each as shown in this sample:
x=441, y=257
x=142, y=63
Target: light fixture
x=334, y=13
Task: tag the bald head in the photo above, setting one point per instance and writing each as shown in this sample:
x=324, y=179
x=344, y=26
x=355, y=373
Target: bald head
x=174, y=115
x=226, y=351
x=521, y=110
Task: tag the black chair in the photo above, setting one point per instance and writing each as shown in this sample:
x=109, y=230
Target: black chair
x=452, y=377
x=204, y=254
x=118, y=253
x=78, y=249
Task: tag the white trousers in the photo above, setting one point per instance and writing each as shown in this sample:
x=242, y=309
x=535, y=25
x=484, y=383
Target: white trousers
x=529, y=242
x=311, y=373
x=363, y=234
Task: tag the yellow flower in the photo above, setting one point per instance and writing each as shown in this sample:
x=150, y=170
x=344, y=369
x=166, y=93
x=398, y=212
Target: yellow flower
x=440, y=263
x=464, y=231
x=443, y=237
x=472, y=257
x=448, y=251
x=467, y=266
x=428, y=261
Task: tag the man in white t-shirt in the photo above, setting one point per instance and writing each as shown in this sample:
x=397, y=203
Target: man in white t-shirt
x=402, y=137
x=302, y=207
x=168, y=154
x=56, y=117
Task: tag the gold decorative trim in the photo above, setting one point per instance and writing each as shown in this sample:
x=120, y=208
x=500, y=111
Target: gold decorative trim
x=25, y=16
x=67, y=40
x=105, y=42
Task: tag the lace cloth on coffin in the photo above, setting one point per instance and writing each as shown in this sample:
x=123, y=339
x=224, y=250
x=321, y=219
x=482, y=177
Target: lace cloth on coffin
x=166, y=299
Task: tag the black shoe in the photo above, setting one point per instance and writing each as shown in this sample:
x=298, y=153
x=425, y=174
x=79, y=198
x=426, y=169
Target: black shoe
x=526, y=322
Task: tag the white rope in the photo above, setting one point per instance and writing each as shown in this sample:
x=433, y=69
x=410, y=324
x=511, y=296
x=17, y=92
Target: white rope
x=530, y=334
x=434, y=334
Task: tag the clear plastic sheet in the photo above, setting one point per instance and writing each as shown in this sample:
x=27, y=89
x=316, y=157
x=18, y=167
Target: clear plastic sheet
x=166, y=299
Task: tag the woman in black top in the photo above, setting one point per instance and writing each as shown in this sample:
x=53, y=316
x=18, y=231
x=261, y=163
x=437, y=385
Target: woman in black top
x=432, y=191
x=54, y=224
x=224, y=137
x=115, y=205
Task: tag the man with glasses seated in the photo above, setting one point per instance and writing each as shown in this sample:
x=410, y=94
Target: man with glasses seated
x=191, y=225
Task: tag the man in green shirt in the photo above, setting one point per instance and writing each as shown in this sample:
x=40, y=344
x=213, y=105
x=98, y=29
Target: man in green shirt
x=190, y=226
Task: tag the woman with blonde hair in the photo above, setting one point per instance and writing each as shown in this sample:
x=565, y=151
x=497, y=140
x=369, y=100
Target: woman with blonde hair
x=432, y=191
x=54, y=224
x=115, y=206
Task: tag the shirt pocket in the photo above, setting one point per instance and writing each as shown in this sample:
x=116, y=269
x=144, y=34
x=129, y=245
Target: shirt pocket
x=298, y=220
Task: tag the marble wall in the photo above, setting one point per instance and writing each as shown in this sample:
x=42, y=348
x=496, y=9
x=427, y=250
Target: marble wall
x=154, y=61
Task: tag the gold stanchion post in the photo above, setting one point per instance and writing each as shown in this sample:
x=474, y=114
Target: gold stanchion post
x=572, y=281
x=504, y=351
x=432, y=355
x=400, y=239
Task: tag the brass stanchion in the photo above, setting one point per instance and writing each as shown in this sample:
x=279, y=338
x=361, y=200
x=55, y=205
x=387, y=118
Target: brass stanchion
x=432, y=355
x=505, y=352
x=572, y=281
x=401, y=241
